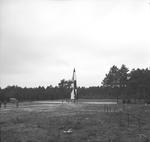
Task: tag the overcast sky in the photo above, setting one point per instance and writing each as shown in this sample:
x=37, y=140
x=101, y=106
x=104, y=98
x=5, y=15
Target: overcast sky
x=41, y=41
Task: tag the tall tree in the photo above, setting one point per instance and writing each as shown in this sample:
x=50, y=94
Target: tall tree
x=138, y=84
x=64, y=87
x=112, y=78
x=123, y=76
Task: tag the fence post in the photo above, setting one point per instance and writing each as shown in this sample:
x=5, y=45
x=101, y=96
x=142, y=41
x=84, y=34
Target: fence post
x=128, y=119
x=104, y=107
x=0, y=135
x=120, y=118
x=139, y=125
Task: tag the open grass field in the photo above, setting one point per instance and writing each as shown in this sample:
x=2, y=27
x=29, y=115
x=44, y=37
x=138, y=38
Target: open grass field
x=53, y=121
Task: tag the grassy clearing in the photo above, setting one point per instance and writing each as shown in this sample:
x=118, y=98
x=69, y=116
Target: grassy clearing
x=76, y=123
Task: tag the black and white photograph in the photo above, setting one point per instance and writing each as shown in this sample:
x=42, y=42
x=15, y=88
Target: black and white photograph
x=74, y=70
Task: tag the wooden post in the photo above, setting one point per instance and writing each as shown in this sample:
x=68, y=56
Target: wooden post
x=128, y=119
x=120, y=118
x=104, y=107
x=0, y=135
x=139, y=125
x=17, y=104
x=117, y=99
x=123, y=107
x=114, y=106
x=117, y=108
x=107, y=108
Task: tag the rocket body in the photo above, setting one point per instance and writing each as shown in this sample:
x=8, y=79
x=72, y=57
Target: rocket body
x=74, y=86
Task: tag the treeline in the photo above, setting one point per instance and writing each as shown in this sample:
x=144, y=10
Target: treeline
x=54, y=93
x=30, y=94
x=119, y=83
x=128, y=85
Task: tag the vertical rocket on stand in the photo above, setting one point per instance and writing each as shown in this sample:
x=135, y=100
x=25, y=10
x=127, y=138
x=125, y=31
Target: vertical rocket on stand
x=74, y=86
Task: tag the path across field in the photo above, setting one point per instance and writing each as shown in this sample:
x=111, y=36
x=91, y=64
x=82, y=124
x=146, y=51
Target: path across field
x=48, y=105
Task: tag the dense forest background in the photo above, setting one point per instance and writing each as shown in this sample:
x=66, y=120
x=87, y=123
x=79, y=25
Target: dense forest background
x=119, y=83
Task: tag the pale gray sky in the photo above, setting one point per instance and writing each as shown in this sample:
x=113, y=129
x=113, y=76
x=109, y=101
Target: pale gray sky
x=41, y=41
